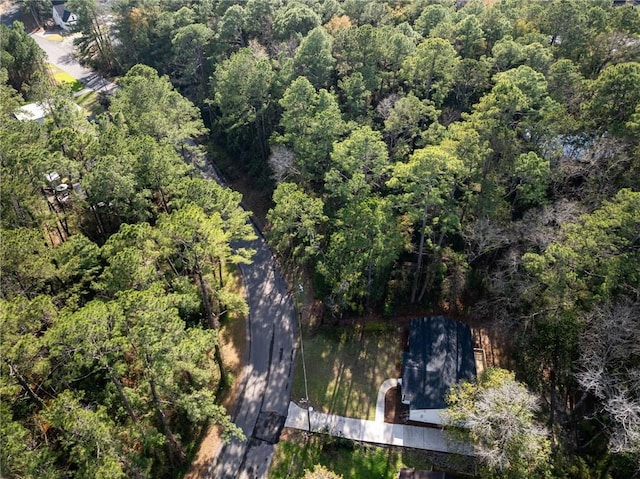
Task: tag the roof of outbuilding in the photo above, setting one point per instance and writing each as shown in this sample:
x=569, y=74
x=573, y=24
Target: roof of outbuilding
x=31, y=111
x=440, y=355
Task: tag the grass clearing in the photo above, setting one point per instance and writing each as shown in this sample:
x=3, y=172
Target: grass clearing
x=299, y=452
x=346, y=366
x=63, y=78
x=89, y=101
x=54, y=37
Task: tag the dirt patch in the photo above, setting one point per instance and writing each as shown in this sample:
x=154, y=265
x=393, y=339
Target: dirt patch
x=203, y=460
x=497, y=349
x=232, y=339
x=394, y=411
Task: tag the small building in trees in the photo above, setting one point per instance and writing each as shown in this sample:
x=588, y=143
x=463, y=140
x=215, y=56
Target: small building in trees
x=61, y=16
x=440, y=354
x=32, y=111
x=38, y=111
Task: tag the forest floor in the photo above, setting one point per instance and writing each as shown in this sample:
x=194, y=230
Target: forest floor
x=255, y=190
x=10, y=11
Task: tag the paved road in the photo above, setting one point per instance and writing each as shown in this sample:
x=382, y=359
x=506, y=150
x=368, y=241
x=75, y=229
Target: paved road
x=268, y=374
x=61, y=54
x=266, y=383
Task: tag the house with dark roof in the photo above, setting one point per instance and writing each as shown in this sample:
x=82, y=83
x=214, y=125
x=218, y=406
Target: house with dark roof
x=440, y=354
x=61, y=16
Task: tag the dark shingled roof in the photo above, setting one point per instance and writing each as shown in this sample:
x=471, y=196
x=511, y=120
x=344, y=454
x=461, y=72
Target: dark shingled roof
x=440, y=355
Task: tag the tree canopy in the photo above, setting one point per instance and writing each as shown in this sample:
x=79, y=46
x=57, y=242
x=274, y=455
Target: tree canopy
x=461, y=157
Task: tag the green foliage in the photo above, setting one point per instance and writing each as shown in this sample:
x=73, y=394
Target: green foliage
x=294, y=18
x=356, y=96
x=320, y=472
x=243, y=86
x=533, y=174
x=406, y=123
x=343, y=457
x=423, y=152
x=22, y=58
x=359, y=257
x=191, y=70
x=297, y=224
x=149, y=105
x=107, y=365
x=94, y=43
x=615, y=96
x=311, y=121
x=596, y=259
x=358, y=167
x=313, y=58
x=429, y=70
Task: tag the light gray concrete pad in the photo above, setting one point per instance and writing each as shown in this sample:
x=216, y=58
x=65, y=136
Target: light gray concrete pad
x=375, y=432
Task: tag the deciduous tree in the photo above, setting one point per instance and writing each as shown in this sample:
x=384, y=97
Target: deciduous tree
x=498, y=414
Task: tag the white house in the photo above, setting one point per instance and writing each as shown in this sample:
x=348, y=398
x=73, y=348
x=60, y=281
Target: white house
x=61, y=16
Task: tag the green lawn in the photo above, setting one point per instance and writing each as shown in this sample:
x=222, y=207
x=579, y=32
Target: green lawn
x=63, y=78
x=349, y=459
x=346, y=366
x=54, y=37
x=89, y=101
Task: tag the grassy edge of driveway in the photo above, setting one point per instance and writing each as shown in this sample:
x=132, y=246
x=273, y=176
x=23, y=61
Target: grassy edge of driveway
x=298, y=452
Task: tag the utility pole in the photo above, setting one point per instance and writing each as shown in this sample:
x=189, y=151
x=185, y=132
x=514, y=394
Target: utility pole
x=304, y=364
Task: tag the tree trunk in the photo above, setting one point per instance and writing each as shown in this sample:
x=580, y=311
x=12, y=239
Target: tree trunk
x=214, y=323
x=369, y=279
x=123, y=397
x=175, y=451
x=164, y=200
x=212, y=319
x=23, y=383
x=416, y=280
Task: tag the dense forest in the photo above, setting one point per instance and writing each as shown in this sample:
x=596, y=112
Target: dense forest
x=476, y=158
